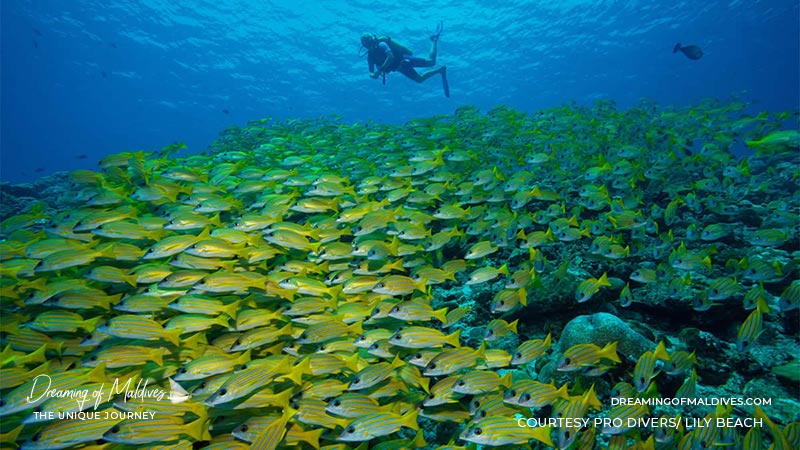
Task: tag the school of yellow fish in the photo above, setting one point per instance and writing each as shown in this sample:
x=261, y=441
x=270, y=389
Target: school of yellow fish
x=285, y=290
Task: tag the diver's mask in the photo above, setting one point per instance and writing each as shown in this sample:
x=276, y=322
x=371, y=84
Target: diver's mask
x=368, y=42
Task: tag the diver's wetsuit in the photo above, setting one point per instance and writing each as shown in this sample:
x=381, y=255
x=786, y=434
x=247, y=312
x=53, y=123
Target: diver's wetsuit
x=400, y=60
x=379, y=54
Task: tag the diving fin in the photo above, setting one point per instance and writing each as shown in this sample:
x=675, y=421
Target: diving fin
x=445, y=85
x=438, y=32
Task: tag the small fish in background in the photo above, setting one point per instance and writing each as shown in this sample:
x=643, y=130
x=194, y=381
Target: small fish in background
x=691, y=51
x=82, y=156
x=36, y=35
x=104, y=74
x=226, y=111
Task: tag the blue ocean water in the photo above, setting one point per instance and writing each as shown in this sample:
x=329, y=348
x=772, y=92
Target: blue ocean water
x=84, y=78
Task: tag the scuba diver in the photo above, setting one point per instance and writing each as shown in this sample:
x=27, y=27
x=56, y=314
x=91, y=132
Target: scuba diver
x=388, y=56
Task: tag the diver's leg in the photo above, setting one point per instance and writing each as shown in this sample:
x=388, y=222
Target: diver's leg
x=410, y=73
x=420, y=62
x=445, y=84
x=434, y=46
x=431, y=73
x=432, y=54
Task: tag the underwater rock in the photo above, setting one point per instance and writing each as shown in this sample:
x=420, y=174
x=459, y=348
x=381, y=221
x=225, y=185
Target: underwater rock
x=704, y=343
x=18, y=190
x=784, y=408
x=600, y=329
x=52, y=190
x=11, y=205
x=708, y=348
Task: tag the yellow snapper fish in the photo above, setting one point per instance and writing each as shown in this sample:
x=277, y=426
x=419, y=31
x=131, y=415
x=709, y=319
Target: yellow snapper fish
x=538, y=395
x=251, y=377
x=530, y=350
x=69, y=433
x=173, y=245
x=784, y=139
x=417, y=310
x=452, y=360
x=156, y=429
x=209, y=365
x=648, y=366
x=481, y=249
x=589, y=287
x=442, y=393
x=422, y=337
x=508, y=300
x=374, y=374
x=499, y=328
x=485, y=274
x=138, y=327
x=398, y=285
x=352, y=405
x=497, y=431
x=65, y=259
x=32, y=393
x=680, y=362
x=61, y=321
x=125, y=356
x=481, y=382
x=749, y=330
x=378, y=424
x=40, y=249
x=581, y=355
x=14, y=376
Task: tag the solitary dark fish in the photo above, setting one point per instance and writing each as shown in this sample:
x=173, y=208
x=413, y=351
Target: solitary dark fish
x=82, y=156
x=691, y=51
x=105, y=75
x=226, y=111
